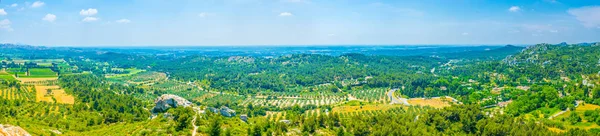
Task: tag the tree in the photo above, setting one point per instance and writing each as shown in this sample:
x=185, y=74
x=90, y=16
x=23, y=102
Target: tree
x=574, y=118
x=215, y=127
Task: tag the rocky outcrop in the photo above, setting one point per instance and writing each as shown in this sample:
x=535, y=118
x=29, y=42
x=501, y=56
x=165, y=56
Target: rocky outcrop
x=8, y=130
x=167, y=101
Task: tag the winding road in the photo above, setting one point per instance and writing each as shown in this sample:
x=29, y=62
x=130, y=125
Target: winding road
x=395, y=100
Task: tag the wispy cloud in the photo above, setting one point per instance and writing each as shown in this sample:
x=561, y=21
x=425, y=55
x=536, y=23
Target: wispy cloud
x=90, y=19
x=37, y=4
x=88, y=12
x=514, y=9
x=123, y=21
x=588, y=16
x=205, y=14
x=285, y=14
x=49, y=17
x=14, y=5
x=5, y=25
x=2, y=12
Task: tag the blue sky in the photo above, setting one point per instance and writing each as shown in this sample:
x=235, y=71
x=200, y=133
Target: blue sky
x=297, y=22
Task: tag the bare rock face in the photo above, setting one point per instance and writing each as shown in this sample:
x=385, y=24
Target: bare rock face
x=167, y=101
x=8, y=130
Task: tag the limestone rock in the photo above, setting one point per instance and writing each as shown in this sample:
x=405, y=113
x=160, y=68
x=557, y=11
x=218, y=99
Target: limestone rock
x=9, y=130
x=167, y=101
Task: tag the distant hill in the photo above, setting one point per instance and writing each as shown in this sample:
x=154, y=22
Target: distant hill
x=488, y=54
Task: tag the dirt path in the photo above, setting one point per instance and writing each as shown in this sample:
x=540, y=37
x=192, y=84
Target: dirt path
x=558, y=114
x=562, y=112
x=194, y=125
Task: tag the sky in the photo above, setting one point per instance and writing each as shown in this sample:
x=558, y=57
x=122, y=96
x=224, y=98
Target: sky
x=297, y=22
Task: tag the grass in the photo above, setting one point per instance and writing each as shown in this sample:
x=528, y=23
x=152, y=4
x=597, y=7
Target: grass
x=6, y=76
x=18, y=71
x=33, y=72
x=41, y=72
x=130, y=71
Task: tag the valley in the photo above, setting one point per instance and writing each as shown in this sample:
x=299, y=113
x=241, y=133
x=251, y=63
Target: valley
x=546, y=89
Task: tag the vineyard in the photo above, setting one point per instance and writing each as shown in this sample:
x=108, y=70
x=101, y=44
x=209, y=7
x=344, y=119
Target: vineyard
x=16, y=93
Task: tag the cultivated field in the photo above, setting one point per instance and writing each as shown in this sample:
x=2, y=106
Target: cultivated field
x=39, y=81
x=41, y=73
x=431, y=102
x=13, y=93
x=56, y=94
x=130, y=71
x=6, y=76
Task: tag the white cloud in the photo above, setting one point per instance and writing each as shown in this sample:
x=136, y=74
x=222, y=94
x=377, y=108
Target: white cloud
x=37, y=4
x=123, y=21
x=514, y=9
x=465, y=34
x=49, y=17
x=588, y=16
x=14, y=5
x=90, y=19
x=2, y=12
x=285, y=14
x=88, y=12
x=205, y=14
x=5, y=24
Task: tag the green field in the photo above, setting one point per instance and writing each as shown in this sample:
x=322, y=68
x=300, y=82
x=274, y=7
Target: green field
x=130, y=71
x=34, y=72
x=18, y=71
x=41, y=72
x=6, y=76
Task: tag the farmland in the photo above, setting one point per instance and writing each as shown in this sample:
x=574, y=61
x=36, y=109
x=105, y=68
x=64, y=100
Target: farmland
x=53, y=94
x=6, y=76
x=41, y=73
